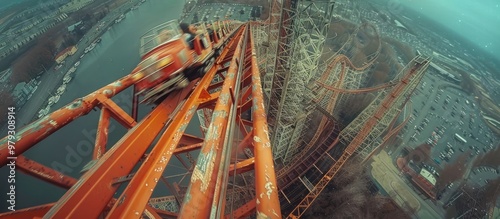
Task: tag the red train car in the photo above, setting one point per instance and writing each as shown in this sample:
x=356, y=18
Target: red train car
x=169, y=63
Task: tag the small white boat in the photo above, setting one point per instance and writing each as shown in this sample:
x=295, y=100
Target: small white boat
x=67, y=79
x=56, y=98
x=61, y=89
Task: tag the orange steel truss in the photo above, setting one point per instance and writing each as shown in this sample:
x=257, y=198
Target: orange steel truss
x=138, y=160
x=387, y=102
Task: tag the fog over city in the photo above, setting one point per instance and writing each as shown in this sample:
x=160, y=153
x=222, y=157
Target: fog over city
x=476, y=21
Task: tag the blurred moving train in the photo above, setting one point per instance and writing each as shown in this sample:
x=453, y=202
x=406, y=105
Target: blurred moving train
x=169, y=62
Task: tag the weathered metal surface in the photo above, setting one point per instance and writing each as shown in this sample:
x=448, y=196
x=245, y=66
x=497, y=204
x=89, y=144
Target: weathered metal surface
x=43, y=127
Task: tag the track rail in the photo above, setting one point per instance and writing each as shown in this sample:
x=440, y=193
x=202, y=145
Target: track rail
x=137, y=161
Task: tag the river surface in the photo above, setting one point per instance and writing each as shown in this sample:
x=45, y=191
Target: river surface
x=70, y=148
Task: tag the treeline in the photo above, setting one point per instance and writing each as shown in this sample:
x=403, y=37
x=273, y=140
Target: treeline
x=348, y=196
x=34, y=61
x=6, y=101
x=41, y=56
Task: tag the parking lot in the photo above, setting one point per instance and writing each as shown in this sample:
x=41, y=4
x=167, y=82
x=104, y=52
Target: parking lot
x=450, y=121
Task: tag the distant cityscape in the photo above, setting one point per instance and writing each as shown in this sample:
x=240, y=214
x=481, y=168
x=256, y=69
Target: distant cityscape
x=441, y=163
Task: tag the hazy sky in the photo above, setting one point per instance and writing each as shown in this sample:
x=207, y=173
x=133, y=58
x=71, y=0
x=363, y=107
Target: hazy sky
x=6, y=3
x=476, y=20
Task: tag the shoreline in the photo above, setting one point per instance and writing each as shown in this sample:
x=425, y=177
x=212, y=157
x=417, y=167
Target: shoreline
x=53, y=79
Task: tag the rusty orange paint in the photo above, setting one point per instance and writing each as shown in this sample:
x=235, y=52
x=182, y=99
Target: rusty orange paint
x=188, y=148
x=242, y=166
x=101, y=134
x=43, y=127
x=93, y=192
x=32, y=212
x=187, y=139
x=151, y=212
x=44, y=173
x=243, y=211
x=135, y=197
x=266, y=191
x=117, y=112
x=204, y=186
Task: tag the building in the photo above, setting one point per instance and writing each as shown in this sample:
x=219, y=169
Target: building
x=72, y=27
x=22, y=92
x=65, y=53
x=427, y=175
x=5, y=75
x=74, y=5
x=445, y=72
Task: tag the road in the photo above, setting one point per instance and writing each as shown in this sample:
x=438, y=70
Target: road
x=389, y=177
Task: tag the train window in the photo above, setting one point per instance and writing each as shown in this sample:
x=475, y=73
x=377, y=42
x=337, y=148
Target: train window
x=159, y=35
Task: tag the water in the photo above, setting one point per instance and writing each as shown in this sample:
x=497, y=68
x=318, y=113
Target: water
x=70, y=148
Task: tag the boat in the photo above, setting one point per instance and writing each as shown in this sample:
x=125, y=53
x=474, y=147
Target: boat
x=90, y=48
x=67, y=79
x=77, y=64
x=56, y=98
x=119, y=18
x=71, y=70
x=51, y=101
x=61, y=89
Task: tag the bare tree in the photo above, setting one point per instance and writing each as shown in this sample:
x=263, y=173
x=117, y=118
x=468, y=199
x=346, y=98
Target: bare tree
x=452, y=172
x=6, y=101
x=489, y=159
x=349, y=197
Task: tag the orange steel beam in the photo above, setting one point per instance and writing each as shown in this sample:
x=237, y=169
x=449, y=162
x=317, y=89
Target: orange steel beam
x=188, y=148
x=246, y=142
x=44, y=173
x=101, y=138
x=202, y=190
x=242, y=166
x=243, y=211
x=151, y=212
x=165, y=214
x=95, y=188
x=268, y=205
x=116, y=112
x=32, y=212
x=187, y=139
x=392, y=131
x=132, y=201
x=384, y=106
x=41, y=128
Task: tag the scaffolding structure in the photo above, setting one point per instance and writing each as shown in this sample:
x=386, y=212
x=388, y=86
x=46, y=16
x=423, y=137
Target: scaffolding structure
x=366, y=128
x=298, y=41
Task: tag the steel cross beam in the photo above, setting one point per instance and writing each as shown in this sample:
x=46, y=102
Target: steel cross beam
x=205, y=196
x=389, y=101
x=136, y=196
x=35, y=132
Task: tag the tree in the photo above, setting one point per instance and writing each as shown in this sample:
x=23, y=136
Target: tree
x=348, y=196
x=421, y=153
x=489, y=159
x=452, y=172
x=21, y=71
x=6, y=100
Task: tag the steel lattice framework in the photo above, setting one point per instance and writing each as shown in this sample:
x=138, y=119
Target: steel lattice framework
x=299, y=41
x=234, y=173
x=220, y=174
x=341, y=74
x=369, y=126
